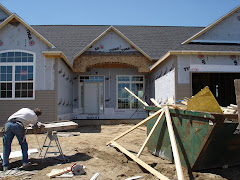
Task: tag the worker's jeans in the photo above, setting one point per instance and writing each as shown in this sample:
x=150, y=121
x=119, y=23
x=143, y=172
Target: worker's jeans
x=12, y=129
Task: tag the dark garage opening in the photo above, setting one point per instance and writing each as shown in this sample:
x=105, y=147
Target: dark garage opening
x=221, y=85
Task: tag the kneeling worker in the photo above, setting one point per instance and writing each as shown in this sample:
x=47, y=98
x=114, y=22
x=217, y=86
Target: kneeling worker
x=15, y=126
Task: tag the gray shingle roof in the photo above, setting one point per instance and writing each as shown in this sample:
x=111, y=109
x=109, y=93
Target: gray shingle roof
x=153, y=40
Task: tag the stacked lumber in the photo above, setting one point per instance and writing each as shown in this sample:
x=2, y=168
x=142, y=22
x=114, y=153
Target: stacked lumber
x=231, y=109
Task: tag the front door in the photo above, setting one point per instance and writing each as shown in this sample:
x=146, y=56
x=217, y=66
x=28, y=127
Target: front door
x=91, y=100
x=91, y=94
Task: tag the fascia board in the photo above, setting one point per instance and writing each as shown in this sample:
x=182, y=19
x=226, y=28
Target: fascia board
x=58, y=54
x=5, y=10
x=14, y=16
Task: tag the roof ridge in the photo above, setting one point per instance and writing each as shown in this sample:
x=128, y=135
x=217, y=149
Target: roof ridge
x=119, y=25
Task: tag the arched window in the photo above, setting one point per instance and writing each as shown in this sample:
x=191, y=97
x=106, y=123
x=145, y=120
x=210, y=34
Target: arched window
x=17, y=75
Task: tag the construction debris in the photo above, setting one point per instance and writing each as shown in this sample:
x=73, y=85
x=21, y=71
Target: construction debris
x=17, y=172
x=204, y=101
x=204, y=106
x=65, y=175
x=75, y=169
x=59, y=172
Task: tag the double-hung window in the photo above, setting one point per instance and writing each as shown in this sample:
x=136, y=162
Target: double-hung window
x=17, y=75
x=134, y=83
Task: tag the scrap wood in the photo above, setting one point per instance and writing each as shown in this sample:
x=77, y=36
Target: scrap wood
x=172, y=139
x=67, y=174
x=237, y=92
x=173, y=142
x=231, y=109
x=174, y=145
x=59, y=172
x=139, y=161
x=17, y=172
x=185, y=100
x=136, y=126
x=151, y=133
x=140, y=100
x=175, y=106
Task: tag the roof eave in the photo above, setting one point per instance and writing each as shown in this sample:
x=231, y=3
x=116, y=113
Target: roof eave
x=14, y=16
x=58, y=54
x=169, y=53
x=5, y=10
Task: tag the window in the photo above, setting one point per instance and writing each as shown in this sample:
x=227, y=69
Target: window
x=134, y=84
x=16, y=75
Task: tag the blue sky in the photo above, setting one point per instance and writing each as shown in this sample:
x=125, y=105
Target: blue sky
x=121, y=12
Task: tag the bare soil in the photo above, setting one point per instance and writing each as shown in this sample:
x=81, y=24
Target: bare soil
x=89, y=149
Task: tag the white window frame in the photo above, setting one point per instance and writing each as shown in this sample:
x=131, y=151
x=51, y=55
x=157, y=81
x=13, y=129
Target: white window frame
x=14, y=64
x=130, y=82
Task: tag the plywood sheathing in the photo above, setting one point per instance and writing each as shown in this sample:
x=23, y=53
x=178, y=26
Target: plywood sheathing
x=85, y=61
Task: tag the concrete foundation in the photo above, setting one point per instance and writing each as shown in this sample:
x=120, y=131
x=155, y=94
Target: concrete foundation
x=96, y=122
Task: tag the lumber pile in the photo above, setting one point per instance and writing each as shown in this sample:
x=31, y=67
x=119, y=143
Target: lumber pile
x=231, y=109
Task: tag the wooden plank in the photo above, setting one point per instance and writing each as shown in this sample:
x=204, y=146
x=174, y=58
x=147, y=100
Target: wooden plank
x=136, y=126
x=151, y=132
x=155, y=102
x=139, y=161
x=54, y=126
x=144, y=103
x=57, y=126
x=59, y=172
x=174, y=145
x=237, y=92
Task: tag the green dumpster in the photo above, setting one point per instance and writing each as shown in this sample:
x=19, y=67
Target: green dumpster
x=204, y=140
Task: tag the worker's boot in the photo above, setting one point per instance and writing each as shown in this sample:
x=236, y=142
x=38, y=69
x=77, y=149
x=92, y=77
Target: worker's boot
x=26, y=165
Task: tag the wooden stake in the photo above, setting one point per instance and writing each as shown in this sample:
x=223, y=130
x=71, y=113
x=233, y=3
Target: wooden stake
x=136, y=126
x=150, y=134
x=140, y=162
x=144, y=103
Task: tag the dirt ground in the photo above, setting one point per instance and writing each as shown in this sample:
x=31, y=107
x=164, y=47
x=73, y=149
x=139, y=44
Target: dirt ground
x=89, y=149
